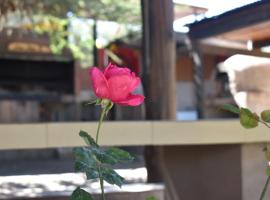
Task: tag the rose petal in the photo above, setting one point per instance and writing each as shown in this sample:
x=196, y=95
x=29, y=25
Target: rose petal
x=132, y=100
x=99, y=82
x=135, y=82
x=119, y=87
x=113, y=70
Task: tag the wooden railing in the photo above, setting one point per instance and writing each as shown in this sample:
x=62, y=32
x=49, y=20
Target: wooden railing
x=49, y=135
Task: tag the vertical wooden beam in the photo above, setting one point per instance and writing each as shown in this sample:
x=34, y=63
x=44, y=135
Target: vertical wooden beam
x=198, y=74
x=198, y=79
x=95, y=50
x=159, y=79
x=159, y=59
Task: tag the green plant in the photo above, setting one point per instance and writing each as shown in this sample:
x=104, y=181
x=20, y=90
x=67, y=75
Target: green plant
x=97, y=163
x=151, y=198
x=249, y=119
x=113, y=85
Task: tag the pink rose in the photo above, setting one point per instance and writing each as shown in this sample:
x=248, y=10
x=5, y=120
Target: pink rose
x=116, y=84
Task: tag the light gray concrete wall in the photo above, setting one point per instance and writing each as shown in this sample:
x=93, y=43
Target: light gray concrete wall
x=205, y=172
x=185, y=95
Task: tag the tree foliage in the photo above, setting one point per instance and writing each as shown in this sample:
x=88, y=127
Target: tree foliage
x=52, y=17
x=121, y=11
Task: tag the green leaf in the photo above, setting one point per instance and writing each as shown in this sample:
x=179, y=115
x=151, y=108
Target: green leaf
x=88, y=139
x=98, y=101
x=265, y=115
x=111, y=176
x=100, y=156
x=80, y=194
x=96, y=162
x=151, y=198
x=119, y=155
x=268, y=171
x=104, y=157
x=248, y=119
x=109, y=106
x=231, y=108
x=86, y=162
x=111, y=156
x=267, y=152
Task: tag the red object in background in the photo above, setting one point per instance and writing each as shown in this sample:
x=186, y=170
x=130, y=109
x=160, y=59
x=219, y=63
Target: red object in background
x=130, y=56
x=101, y=58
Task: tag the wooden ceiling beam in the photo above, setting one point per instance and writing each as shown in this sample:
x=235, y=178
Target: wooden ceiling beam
x=236, y=19
x=261, y=43
x=229, y=51
x=218, y=42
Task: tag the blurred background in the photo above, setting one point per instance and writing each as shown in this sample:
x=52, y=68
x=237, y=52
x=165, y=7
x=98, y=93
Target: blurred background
x=193, y=57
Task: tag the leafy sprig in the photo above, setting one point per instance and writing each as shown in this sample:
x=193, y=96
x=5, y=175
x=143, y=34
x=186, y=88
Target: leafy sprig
x=249, y=119
x=97, y=163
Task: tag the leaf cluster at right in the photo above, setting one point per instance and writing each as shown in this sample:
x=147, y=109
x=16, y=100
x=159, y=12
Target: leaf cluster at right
x=248, y=119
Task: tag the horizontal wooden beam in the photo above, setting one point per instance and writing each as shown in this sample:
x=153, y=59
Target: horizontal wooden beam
x=53, y=135
x=261, y=43
x=36, y=57
x=232, y=20
x=229, y=51
x=218, y=42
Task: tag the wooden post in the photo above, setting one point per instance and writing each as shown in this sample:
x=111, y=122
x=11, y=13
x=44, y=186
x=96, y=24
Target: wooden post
x=198, y=78
x=159, y=59
x=95, y=50
x=159, y=78
x=198, y=74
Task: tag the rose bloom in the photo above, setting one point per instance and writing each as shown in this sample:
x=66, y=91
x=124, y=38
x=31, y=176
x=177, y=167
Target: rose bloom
x=116, y=84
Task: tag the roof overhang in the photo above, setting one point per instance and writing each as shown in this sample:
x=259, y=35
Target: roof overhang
x=247, y=22
x=242, y=30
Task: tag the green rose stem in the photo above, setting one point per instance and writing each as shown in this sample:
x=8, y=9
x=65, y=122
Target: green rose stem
x=264, y=123
x=265, y=188
x=103, y=112
x=101, y=181
x=268, y=178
